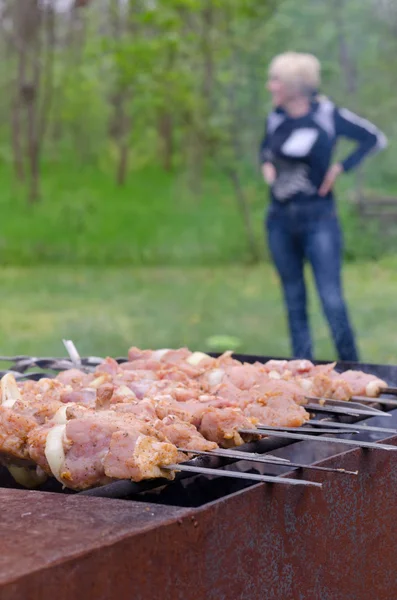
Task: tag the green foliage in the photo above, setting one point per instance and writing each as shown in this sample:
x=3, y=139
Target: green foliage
x=198, y=66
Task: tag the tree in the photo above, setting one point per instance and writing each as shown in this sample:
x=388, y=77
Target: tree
x=31, y=33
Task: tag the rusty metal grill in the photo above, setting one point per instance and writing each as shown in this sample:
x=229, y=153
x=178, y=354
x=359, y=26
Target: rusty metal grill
x=211, y=538
x=195, y=490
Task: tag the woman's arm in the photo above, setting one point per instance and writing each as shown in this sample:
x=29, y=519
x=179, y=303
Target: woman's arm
x=368, y=137
x=269, y=173
x=369, y=140
x=265, y=154
x=265, y=158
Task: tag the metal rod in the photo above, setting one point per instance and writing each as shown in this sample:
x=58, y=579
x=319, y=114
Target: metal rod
x=376, y=400
x=356, y=426
x=250, y=456
x=72, y=351
x=272, y=460
x=239, y=454
x=336, y=410
x=305, y=429
x=321, y=438
x=342, y=403
x=238, y=475
x=389, y=390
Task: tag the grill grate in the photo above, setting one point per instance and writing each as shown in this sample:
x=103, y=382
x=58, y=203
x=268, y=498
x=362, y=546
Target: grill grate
x=188, y=490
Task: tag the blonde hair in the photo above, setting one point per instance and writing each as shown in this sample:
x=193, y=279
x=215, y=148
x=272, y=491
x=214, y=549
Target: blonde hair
x=296, y=69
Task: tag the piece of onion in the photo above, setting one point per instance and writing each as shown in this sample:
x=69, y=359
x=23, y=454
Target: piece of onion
x=95, y=383
x=124, y=390
x=159, y=354
x=29, y=478
x=215, y=377
x=54, y=451
x=274, y=375
x=195, y=358
x=9, y=391
x=373, y=388
x=306, y=384
x=60, y=417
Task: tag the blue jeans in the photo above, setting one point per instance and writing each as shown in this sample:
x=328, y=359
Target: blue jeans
x=309, y=231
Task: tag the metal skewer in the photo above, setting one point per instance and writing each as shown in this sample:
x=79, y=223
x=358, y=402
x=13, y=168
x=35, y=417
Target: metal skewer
x=356, y=426
x=353, y=406
x=238, y=454
x=238, y=475
x=389, y=390
x=336, y=410
x=322, y=438
x=352, y=429
x=72, y=351
x=376, y=400
x=272, y=460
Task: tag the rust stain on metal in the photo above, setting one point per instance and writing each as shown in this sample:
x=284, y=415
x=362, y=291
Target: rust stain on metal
x=265, y=542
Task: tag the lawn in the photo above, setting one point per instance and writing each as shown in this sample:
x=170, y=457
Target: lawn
x=156, y=219
x=106, y=310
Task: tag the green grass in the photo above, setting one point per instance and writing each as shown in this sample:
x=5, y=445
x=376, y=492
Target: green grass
x=106, y=310
x=156, y=219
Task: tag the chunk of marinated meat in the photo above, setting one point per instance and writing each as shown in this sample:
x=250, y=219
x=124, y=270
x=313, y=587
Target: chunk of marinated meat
x=172, y=357
x=342, y=386
x=137, y=354
x=327, y=369
x=212, y=379
x=294, y=368
x=109, y=366
x=175, y=374
x=145, y=409
x=123, y=393
x=39, y=409
x=182, y=434
x=218, y=425
x=156, y=359
x=277, y=366
x=226, y=359
x=223, y=426
x=299, y=367
x=98, y=447
x=244, y=377
x=267, y=388
x=84, y=396
x=104, y=395
x=278, y=412
x=14, y=431
x=135, y=456
x=36, y=443
x=274, y=388
x=75, y=378
x=330, y=385
x=36, y=399
x=166, y=405
x=363, y=384
x=132, y=374
x=149, y=388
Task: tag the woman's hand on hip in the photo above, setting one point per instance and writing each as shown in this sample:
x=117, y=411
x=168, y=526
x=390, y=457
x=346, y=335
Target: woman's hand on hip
x=330, y=178
x=269, y=173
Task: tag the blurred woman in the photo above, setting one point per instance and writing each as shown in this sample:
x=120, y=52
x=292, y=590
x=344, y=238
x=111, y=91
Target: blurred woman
x=302, y=223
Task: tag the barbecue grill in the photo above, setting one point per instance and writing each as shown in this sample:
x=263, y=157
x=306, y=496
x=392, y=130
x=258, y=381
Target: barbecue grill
x=204, y=536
